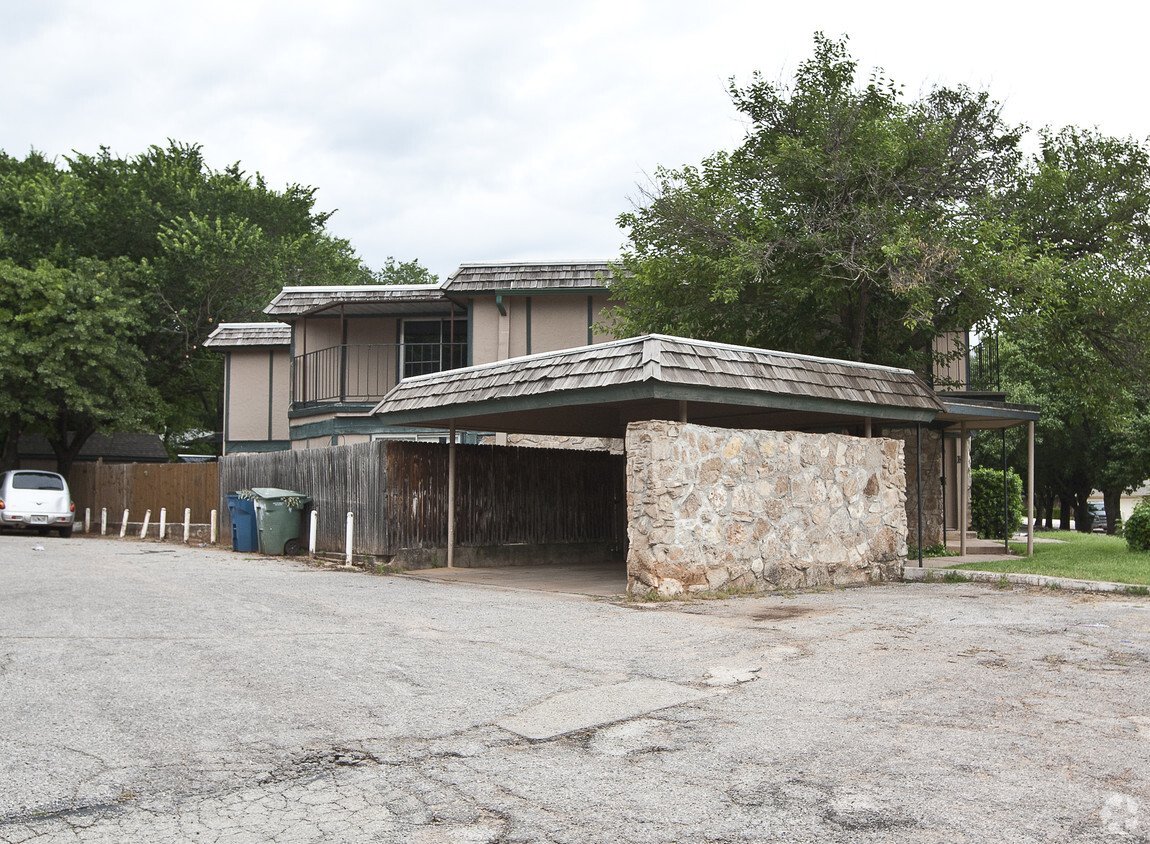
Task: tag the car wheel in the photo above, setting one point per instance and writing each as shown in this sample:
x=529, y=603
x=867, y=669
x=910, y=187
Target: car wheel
x=65, y=533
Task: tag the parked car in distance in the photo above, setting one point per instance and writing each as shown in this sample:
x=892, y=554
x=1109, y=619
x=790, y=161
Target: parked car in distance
x=1098, y=516
x=36, y=500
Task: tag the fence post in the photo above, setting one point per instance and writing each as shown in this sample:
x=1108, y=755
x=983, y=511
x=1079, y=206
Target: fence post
x=147, y=519
x=212, y=536
x=187, y=524
x=103, y=521
x=124, y=524
x=350, y=528
x=87, y=519
x=163, y=523
x=311, y=534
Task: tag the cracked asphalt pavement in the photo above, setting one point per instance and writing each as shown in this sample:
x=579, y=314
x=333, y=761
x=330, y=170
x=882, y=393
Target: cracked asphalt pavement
x=158, y=693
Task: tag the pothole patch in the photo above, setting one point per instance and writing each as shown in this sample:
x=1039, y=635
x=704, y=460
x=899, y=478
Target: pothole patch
x=570, y=712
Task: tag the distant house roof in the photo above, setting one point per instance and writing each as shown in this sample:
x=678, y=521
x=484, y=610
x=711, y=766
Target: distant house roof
x=358, y=299
x=229, y=334
x=117, y=448
x=596, y=390
x=470, y=278
x=528, y=276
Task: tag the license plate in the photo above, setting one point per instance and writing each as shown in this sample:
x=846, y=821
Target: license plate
x=39, y=520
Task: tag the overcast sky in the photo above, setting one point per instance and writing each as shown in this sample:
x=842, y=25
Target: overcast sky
x=490, y=131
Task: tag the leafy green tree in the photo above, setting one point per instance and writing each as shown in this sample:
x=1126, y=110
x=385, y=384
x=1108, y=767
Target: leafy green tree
x=851, y=222
x=404, y=272
x=1084, y=200
x=69, y=365
x=205, y=247
x=1083, y=354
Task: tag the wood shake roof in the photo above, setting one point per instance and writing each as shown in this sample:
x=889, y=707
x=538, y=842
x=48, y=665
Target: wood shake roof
x=300, y=301
x=717, y=379
x=229, y=334
x=528, y=276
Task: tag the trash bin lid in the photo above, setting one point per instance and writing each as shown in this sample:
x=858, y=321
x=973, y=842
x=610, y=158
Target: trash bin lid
x=273, y=492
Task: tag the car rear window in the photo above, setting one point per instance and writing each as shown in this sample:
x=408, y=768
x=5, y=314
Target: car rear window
x=36, y=480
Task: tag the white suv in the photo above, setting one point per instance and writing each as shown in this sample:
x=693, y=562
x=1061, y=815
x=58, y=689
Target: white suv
x=35, y=500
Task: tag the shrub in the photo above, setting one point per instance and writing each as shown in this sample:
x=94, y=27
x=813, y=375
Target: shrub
x=986, y=511
x=1137, y=527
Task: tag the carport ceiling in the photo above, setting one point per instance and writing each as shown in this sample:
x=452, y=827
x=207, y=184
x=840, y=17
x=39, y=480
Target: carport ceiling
x=597, y=390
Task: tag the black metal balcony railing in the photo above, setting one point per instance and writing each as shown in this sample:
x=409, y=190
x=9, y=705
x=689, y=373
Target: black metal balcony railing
x=365, y=372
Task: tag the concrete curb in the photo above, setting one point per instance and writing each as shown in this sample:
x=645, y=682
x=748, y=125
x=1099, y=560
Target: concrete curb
x=914, y=574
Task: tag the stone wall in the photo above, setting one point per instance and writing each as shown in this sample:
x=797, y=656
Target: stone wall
x=713, y=508
x=931, y=483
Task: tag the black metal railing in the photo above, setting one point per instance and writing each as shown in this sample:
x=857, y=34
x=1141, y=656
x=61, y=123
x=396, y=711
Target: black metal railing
x=365, y=372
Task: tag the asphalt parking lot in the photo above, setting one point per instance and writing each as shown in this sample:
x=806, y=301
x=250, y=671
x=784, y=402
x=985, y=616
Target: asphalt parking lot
x=156, y=693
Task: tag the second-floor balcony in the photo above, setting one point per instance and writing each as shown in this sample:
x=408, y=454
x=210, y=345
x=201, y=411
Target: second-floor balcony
x=362, y=373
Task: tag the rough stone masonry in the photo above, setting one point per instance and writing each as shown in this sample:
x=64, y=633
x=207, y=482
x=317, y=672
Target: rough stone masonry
x=714, y=508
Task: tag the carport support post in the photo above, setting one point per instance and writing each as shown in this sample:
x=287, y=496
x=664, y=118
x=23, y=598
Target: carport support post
x=451, y=495
x=963, y=490
x=1030, y=488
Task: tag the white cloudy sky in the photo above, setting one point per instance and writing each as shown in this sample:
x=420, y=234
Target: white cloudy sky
x=454, y=131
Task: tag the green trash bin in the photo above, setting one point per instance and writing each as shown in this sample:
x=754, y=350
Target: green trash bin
x=279, y=517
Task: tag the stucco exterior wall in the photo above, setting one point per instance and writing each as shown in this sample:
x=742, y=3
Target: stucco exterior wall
x=258, y=394
x=485, y=321
x=558, y=322
x=315, y=333
x=713, y=508
x=545, y=322
x=372, y=330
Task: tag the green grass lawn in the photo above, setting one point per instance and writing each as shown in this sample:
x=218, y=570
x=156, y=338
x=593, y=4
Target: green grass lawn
x=1086, y=556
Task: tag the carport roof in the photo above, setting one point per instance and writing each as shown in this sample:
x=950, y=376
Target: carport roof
x=597, y=390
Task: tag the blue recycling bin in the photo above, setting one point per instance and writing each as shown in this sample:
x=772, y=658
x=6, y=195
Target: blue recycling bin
x=245, y=533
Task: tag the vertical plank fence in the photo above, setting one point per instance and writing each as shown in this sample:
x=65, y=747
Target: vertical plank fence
x=398, y=492
x=142, y=486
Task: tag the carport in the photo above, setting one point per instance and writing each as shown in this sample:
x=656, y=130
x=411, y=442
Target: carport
x=596, y=391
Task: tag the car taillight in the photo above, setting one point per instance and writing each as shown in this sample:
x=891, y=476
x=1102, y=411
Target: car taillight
x=1, y=503
x=73, y=507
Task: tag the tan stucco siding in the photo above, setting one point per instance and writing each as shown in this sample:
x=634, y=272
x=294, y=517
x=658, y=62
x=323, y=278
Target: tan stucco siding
x=280, y=393
x=558, y=322
x=249, y=393
x=599, y=306
x=371, y=330
x=485, y=320
x=950, y=351
x=519, y=311
x=314, y=334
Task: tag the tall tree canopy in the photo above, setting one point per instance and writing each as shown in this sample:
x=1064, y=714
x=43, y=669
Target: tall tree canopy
x=857, y=223
x=1083, y=354
x=161, y=238
x=851, y=222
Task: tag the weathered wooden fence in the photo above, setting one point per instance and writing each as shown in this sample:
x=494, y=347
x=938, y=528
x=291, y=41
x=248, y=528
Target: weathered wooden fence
x=398, y=492
x=138, y=487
